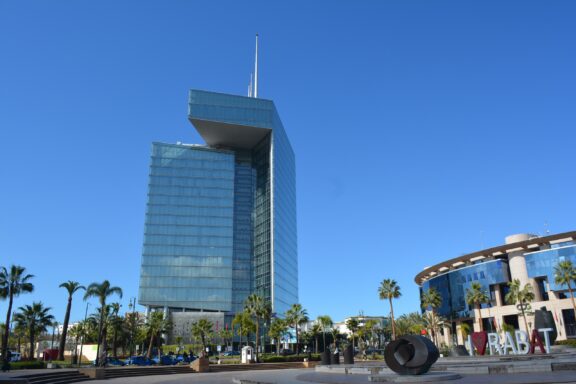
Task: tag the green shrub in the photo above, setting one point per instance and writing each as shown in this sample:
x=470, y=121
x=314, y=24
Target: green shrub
x=28, y=365
x=288, y=359
x=568, y=343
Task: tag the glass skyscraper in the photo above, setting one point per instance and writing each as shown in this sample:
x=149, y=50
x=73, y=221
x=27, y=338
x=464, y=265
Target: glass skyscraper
x=221, y=217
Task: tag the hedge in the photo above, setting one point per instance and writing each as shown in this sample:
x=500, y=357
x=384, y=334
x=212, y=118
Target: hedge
x=27, y=365
x=288, y=359
x=568, y=343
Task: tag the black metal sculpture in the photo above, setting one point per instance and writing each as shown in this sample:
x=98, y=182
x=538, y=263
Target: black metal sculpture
x=411, y=355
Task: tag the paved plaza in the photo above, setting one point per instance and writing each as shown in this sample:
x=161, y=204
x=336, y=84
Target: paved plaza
x=310, y=376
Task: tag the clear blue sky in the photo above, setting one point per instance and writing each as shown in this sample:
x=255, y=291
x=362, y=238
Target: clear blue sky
x=422, y=130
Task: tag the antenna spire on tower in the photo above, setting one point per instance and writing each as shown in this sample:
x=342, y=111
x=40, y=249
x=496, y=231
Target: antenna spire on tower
x=256, y=70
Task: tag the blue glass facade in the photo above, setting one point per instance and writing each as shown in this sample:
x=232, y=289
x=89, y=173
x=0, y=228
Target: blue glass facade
x=188, y=235
x=285, y=268
x=542, y=263
x=452, y=286
x=232, y=204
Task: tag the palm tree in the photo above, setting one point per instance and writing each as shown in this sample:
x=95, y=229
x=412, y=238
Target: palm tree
x=464, y=330
x=335, y=335
x=520, y=296
x=101, y=291
x=433, y=322
x=296, y=316
x=475, y=295
x=326, y=322
x=202, y=329
x=564, y=273
x=389, y=289
x=117, y=323
x=410, y=324
x=226, y=335
x=367, y=331
x=432, y=299
x=71, y=287
x=277, y=330
x=36, y=319
x=12, y=284
x=20, y=332
x=352, y=325
x=260, y=309
x=315, y=332
x=245, y=325
x=157, y=324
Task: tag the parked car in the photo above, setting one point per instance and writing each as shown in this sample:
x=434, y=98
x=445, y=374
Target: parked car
x=165, y=360
x=231, y=353
x=139, y=360
x=185, y=359
x=115, y=361
x=112, y=361
x=14, y=356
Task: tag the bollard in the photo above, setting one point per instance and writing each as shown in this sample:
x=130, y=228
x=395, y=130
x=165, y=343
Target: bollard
x=325, y=357
x=335, y=358
x=348, y=355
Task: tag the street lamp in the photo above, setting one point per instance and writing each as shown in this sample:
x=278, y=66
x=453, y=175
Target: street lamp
x=132, y=307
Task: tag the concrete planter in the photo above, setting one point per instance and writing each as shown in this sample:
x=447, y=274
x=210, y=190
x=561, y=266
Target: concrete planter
x=201, y=364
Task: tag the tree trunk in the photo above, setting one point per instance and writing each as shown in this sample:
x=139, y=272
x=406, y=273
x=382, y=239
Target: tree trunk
x=392, y=318
x=65, y=330
x=257, y=334
x=480, y=317
x=297, y=340
x=114, y=343
x=149, y=353
x=7, y=329
x=31, y=357
x=100, y=329
x=572, y=297
x=324, y=337
x=524, y=316
x=104, y=343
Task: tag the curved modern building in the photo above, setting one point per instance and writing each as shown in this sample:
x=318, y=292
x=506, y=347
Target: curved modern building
x=528, y=258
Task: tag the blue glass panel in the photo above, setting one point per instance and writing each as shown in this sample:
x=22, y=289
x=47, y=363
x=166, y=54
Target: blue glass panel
x=542, y=263
x=188, y=235
x=453, y=285
x=285, y=236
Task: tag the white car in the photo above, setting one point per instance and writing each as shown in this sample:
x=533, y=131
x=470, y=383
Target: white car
x=16, y=356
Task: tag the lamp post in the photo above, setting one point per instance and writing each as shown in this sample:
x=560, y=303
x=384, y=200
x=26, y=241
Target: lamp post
x=132, y=306
x=83, y=333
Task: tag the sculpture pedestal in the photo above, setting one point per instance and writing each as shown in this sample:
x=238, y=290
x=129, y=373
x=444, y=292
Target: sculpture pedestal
x=429, y=377
x=201, y=364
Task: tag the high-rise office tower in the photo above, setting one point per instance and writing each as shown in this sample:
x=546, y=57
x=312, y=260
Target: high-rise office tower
x=221, y=217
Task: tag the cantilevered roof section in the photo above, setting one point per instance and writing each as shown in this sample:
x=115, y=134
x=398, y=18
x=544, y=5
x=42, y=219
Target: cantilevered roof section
x=230, y=120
